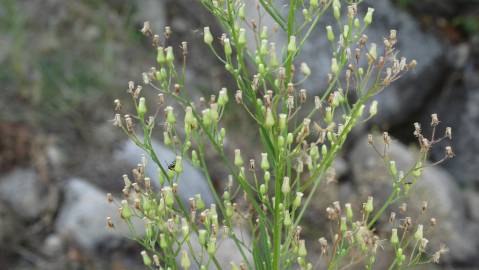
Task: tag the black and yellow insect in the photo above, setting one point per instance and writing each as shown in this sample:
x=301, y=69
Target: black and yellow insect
x=171, y=166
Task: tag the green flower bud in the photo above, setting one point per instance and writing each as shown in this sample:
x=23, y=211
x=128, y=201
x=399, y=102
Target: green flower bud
x=264, y=161
x=211, y=246
x=273, y=58
x=206, y=117
x=170, y=116
x=185, y=260
x=160, y=57
x=214, y=113
x=393, y=169
x=418, y=235
x=238, y=159
x=302, y=252
x=330, y=33
x=241, y=13
x=126, y=212
x=267, y=177
x=314, y=152
x=289, y=138
x=263, y=189
x=297, y=199
x=280, y=141
x=287, y=218
x=394, y=237
x=163, y=242
x=166, y=138
x=202, y=237
x=282, y=121
x=368, y=19
x=336, y=12
x=169, y=197
x=360, y=71
x=208, y=37
x=141, y=107
x=292, y=44
x=223, y=97
x=285, y=187
x=373, y=51
x=242, y=37
x=349, y=212
x=334, y=66
x=179, y=164
x=313, y=4
x=234, y=266
x=269, y=121
x=369, y=207
x=264, y=33
x=264, y=47
x=200, y=204
x=346, y=31
x=324, y=150
x=328, y=118
x=344, y=225
x=227, y=46
x=170, y=57
x=373, y=109
x=146, y=259
x=357, y=23
x=305, y=70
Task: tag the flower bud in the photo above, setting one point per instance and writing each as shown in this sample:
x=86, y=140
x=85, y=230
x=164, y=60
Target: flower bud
x=269, y=121
x=202, y=237
x=313, y=4
x=302, y=252
x=238, y=159
x=394, y=237
x=334, y=65
x=223, y=97
x=170, y=57
x=264, y=161
x=242, y=37
x=297, y=199
x=208, y=37
x=126, y=213
x=211, y=246
x=185, y=260
x=227, y=47
x=160, y=57
x=418, y=235
x=170, y=116
x=141, y=107
x=373, y=109
x=287, y=218
x=146, y=259
x=178, y=164
x=305, y=70
x=330, y=33
x=289, y=138
x=292, y=44
x=369, y=16
x=267, y=177
x=369, y=207
x=285, y=187
x=393, y=169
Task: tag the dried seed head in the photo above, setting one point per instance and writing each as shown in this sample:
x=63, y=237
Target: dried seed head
x=109, y=223
x=370, y=139
x=424, y=206
x=239, y=97
x=434, y=120
x=433, y=222
x=448, y=133
x=146, y=29
x=109, y=198
x=392, y=217
x=449, y=152
x=417, y=129
x=386, y=138
x=403, y=208
x=302, y=95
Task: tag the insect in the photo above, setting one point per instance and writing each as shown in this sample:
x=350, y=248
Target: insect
x=171, y=166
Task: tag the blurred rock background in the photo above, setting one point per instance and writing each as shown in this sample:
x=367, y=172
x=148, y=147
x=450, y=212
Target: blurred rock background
x=64, y=61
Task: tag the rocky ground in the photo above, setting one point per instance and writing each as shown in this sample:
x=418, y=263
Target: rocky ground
x=59, y=154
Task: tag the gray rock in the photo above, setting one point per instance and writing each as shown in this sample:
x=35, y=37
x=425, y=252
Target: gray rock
x=82, y=217
x=190, y=182
x=9, y=226
x=22, y=190
x=436, y=186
